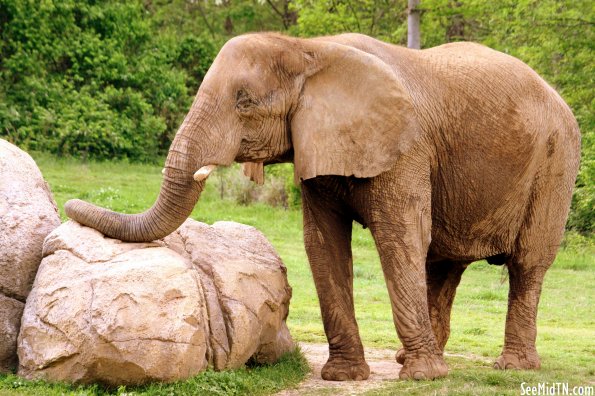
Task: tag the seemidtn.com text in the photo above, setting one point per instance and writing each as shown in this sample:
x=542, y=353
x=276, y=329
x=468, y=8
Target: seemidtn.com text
x=555, y=388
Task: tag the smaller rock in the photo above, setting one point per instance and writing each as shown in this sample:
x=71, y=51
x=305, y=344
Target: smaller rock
x=246, y=290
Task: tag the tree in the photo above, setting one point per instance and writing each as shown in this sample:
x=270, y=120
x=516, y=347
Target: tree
x=384, y=19
x=413, y=39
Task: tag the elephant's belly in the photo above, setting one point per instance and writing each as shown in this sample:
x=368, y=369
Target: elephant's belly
x=467, y=249
x=476, y=229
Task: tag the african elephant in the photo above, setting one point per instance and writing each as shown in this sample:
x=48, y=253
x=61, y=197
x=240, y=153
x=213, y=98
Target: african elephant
x=449, y=155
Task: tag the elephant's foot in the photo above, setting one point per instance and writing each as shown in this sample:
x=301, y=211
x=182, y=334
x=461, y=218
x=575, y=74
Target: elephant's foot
x=525, y=360
x=400, y=356
x=422, y=367
x=337, y=369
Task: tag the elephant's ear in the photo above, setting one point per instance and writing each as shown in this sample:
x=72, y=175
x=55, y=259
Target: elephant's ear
x=354, y=117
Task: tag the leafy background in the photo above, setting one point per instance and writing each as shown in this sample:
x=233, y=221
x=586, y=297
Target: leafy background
x=104, y=79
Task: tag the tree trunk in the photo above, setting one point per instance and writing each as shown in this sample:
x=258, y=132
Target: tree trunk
x=456, y=30
x=413, y=37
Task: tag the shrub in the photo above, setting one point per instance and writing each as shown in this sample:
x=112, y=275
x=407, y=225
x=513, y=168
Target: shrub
x=89, y=78
x=277, y=191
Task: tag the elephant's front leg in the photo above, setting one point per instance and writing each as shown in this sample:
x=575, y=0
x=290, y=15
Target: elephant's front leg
x=327, y=237
x=442, y=280
x=400, y=221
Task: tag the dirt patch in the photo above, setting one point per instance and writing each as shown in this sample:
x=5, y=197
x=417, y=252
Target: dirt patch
x=383, y=367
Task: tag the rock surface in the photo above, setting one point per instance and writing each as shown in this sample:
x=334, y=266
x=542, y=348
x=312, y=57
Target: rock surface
x=102, y=310
x=11, y=311
x=28, y=214
x=246, y=291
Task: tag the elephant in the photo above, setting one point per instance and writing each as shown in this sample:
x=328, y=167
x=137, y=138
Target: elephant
x=448, y=155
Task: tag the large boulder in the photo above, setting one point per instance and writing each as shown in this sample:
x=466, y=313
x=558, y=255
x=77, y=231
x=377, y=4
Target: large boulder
x=28, y=214
x=102, y=310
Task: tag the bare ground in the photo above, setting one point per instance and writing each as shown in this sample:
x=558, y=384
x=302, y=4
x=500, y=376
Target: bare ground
x=383, y=367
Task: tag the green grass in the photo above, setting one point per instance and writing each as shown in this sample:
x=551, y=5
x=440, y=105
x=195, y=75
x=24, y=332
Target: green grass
x=258, y=380
x=566, y=320
x=477, y=377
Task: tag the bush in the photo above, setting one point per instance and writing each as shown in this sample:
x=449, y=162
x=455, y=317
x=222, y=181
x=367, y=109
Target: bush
x=114, y=79
x=278, y=190
x=195, y=55
x=582, y=213
x=92, y=79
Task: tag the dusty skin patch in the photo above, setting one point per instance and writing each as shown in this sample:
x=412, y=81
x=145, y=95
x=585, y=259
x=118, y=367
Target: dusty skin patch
x=383, y=367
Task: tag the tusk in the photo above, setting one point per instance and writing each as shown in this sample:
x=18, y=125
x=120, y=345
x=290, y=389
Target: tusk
x=204, y=172
x=163, y=171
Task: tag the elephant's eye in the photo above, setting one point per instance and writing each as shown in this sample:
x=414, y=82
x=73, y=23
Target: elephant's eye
x=244, y=102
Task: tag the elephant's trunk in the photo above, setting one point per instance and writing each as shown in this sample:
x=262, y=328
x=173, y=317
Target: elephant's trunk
x=179, y=193
x=198, y=146
x=173, y=206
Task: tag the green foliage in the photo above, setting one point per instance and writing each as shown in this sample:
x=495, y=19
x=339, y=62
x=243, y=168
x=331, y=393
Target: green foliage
x=285, y=176
x=577, y=252
x=195, y=55
x=278, y=190
x=221, y=19
x=582, y=213
x=382, y=19
x=92, y=79
x=113, y=79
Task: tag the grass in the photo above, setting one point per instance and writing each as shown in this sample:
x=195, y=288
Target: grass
x=566, y=320
x=477, y=377
x=258, y=380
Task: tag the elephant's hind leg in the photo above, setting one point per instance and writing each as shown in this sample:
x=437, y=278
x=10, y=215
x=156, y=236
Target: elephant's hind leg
x=535, y=251
x=526, y=275
x=327, y=237
x=442, y=280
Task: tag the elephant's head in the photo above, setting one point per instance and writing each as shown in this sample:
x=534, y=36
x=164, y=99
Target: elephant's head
x=330, y=108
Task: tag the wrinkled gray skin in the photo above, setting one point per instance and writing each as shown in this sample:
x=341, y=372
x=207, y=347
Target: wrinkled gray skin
x=449, y=155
